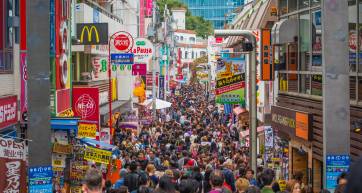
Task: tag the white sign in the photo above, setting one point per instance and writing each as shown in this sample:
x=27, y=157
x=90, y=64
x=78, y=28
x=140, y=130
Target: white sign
x=11, y=149
x=142, y=50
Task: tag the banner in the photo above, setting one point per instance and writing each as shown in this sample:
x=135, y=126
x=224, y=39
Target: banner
x=97, y=155
x=161, y=90
x=8, y=111
x=269, y=137
x=86, y=105
x=40, y=179
x=230, y=81
x=87, y=130
x=23, y=87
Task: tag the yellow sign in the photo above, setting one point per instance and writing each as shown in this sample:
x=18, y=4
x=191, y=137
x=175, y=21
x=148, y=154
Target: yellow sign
x=87, y=130
x=89, y=32
x=97, y=155
x=63, y=149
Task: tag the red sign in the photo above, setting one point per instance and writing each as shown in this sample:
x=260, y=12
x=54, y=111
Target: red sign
x=149, y=80
x=13, y=175
x=8, y=111
x=219, y=40
x=149, y=5
x=139, y=69
x=123, y=42
x=86, y=104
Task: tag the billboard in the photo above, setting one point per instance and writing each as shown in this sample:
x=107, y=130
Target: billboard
x=86, y=105
x=8, y=111
x=230, y=80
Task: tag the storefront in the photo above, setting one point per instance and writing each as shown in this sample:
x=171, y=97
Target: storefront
x=295, y=127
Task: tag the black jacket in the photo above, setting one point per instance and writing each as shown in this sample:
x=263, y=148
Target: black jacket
x=131, y=181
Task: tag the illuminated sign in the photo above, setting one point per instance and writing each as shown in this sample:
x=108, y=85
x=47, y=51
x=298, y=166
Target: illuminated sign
x=92, y=33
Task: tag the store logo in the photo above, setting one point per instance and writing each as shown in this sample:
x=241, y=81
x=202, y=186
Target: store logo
x=123, y=42
x=89, y=33
x=92, y=33
x=85, y=106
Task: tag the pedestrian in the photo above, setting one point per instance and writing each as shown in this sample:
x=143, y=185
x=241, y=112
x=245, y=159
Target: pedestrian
x=120, y=181
x=131, y=179
x=93, y=181
x=217, y=181
x=242, y=185
x=355, y=178
x=266, y=179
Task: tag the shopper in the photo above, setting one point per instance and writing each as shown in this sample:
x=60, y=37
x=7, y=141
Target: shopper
x=93, y=181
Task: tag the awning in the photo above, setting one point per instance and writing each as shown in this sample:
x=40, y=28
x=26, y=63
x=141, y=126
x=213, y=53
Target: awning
x=64, y=123
x=98, y=144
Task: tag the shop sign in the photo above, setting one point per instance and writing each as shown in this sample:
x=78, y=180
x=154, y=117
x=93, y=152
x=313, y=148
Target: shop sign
x=40, y=179
x=23, y=86
x=97, y=155
x=105, y=135
x=13, y=177
x=86, y=104
x=266, y=56
x=78, y=170
x=123, y=42
x=139, y=69
x=149, y=80
x=142, y=50
x=58, y=160
x=63, y=149
x=161, y=90
x=8, y=111
x=92, y=33
x=122, y=59
x=11, y=149
x=87, y=130
x=292, y=122
x=335, y=165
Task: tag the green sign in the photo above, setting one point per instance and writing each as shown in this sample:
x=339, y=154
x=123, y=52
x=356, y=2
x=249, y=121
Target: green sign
x=140, y=43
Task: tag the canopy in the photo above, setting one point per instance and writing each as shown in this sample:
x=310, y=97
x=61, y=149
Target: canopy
x=100, y=144
x=160, y=104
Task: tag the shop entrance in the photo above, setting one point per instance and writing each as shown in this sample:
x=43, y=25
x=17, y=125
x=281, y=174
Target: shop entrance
x=300, y=164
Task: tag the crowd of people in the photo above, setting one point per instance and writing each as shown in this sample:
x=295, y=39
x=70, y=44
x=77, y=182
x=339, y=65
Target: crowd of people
x=194, y=148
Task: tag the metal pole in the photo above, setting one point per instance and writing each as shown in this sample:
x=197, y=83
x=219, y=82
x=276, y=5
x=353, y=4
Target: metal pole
x=38, y=58
x=336, y=99
x=154, y=62
x=252, y=90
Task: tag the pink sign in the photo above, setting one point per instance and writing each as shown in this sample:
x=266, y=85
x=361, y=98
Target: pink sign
x=23, y=86
x=86, y=104
x=8, y=111
x=139, y=69
x=149, y=5
x=142, y=19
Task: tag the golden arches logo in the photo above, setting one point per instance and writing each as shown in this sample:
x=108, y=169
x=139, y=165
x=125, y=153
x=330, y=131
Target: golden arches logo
x=89, y=32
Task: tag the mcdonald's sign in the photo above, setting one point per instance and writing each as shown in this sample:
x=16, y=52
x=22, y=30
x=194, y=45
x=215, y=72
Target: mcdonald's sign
x=92, y=33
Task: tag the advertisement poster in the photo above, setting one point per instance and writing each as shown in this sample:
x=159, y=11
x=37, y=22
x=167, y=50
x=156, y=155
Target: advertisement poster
x=87, y=130
x=335, y=165
x=40, y=179
x=230, y=81
x=23, y=86
x=269, y=137
x=8, y=111
x=86, y=105
x=97, y=155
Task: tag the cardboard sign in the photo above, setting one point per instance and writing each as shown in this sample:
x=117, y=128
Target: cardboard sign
x=63, y=149
x=87, y=130
x=97, y=155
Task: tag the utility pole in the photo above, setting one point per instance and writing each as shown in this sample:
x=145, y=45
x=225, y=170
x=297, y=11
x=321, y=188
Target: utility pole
x=336, y=99
x=252, y=88
x=38, y=59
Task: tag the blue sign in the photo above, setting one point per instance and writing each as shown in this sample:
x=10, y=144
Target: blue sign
x=122, y=59
x=335, y=165
x=161, y=90
x=40, y=179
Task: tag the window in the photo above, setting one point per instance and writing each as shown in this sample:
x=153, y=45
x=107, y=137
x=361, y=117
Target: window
x=292, y=5
x=283, y=6
x=317, y=38
x=9, y=28
x=181, y=38
x=185, y=55
x=177, y=38
x=202, y=53
x=304, y=41
x=316, y=2
x=352, y=29
x=303, y=4
x=192, y=39
x=192, y=54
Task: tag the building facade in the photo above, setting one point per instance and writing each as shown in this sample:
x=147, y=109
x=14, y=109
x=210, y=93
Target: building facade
x=216, y=11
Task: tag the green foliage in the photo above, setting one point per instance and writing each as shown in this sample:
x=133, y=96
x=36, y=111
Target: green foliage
x=202, y=27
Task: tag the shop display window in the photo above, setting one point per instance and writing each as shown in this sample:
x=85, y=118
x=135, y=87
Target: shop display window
x=317, y=38
x=283, y=6
x=303, y=4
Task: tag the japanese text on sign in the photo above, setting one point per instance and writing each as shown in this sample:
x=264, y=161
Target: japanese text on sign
x=120, y=59
x=97, y=155
x=12, y=176
x=87, y=130
x=231, y=80
x=11, y=149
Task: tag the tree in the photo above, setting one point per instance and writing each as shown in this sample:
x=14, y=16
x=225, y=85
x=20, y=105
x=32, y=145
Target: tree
x=202, y=27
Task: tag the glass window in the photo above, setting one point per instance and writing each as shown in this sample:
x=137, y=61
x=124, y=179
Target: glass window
x=303, y=4
x=292, y=5
x=181, y=38
x=316, y=2
x=304, y=41
x=283, y=6
x=352, y=28
x=185, y=54
x=9, y=28
x=317, y=86
x=317, y=38
x=192, y=54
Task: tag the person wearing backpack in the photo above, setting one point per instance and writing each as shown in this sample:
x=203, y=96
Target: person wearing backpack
x=144, y=183
x=132, y=178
